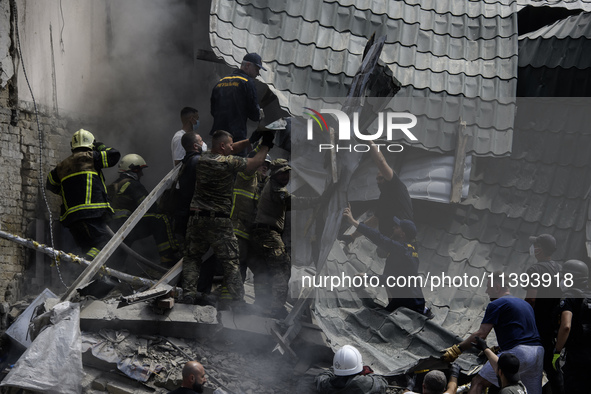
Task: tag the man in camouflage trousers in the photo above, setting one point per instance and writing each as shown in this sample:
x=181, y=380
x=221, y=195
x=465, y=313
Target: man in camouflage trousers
x=210, y=223
x=271, y=263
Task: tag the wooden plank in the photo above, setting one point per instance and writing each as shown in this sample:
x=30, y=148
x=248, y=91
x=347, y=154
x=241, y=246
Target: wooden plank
x=120, y=235
x=333, y=158
x=457, y=179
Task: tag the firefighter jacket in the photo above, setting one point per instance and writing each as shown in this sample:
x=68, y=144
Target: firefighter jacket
x=127, y=193
x=233, y=101
x=247, y=189
x=274, y=201
x=80, y=182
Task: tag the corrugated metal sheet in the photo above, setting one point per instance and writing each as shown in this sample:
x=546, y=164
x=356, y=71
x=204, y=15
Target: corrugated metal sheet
x=568, y=4
x=576, y=26
x=462, y=52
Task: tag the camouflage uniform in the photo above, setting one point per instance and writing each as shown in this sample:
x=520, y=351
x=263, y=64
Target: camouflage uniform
x=85, y=207
x=247, y=190
x=211, y=225
x=126, y=194
x=271, y=263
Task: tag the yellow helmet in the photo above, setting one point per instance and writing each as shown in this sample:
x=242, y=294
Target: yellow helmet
x=132, y=162
x=82, y=139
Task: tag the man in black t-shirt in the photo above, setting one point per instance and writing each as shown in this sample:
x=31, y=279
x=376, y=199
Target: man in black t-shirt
x=545, y=300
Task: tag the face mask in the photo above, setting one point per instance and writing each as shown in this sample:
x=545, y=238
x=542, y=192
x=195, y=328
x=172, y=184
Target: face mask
x=196, y=125
x=203, y=147
x=532, y=251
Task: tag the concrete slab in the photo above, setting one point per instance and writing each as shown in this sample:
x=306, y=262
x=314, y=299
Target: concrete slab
x=183, y=321
x=18, y=330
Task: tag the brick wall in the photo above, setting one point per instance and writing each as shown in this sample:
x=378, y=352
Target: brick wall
x=21, y=201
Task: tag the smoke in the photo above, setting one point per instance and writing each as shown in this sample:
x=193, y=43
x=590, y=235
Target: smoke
x=148, y=74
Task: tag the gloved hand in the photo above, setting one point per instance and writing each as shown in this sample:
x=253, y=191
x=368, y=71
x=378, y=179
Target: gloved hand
x=256, y=135
x=451, y=353
x=411, y=381
x=454, y=370
x=366, y=370
x=268, y=137
x=556, y=360
x=99, y=146
x=480, y=344
x=261, y=114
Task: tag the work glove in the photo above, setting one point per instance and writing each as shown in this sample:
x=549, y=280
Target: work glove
x=261, y=114
x=256, y=135
x=556, y=360
x=366, y=370
x=99, y=146
x=454, y=370
x=480, y=344
x=268, y=137
x=451, y=353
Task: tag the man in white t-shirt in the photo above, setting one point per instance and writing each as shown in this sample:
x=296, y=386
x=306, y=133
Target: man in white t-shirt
x=190, y=122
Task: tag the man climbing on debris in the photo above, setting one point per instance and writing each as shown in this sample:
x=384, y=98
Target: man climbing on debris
x=270, y=262
x=402, y=261
x=193, y=379
x=126, y=194
x=574, y=333
x=210, y=223
x=189, y=122
x=349, y=375
x=515, y=327
x=79, y=181
x=234, y=100
x=545, y=300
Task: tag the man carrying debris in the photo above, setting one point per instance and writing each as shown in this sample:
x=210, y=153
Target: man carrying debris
x=80, y=182
x=349, y=375
x=545, y=300
x=402, y=261
x=234, y=99
x=515, y=327
x=270, y=262
x=126, y=194
x=210, y=223
x=193, y=379
x=190, y=122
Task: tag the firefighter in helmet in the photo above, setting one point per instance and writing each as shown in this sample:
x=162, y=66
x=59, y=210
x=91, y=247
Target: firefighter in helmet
x=79, y=181
x=126, y=194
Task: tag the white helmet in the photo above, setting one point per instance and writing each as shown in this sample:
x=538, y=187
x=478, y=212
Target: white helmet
x=132, y=162
x=82, y=139
x=347, y=361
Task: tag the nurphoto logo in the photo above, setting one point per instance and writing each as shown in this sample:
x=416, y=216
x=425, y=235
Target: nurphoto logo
x=388, y=123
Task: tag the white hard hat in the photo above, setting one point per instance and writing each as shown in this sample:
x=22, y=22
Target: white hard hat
x=347, y=361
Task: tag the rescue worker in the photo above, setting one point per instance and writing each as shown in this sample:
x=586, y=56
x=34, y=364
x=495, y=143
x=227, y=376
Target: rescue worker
x=245, y=197
x=435, y=382
x=193, y=379
x=402, y=260
x=349, y=375
x=574, y=333
x=506, y=367
x=79, y=181
x=126, y=194
x=234, y=100
x=544, y=300
x=270, y=262
x=515, y=327
x=210, y=223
